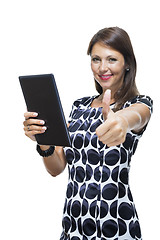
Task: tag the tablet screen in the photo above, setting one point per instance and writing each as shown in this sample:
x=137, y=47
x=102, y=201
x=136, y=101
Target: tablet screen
x=41, y=96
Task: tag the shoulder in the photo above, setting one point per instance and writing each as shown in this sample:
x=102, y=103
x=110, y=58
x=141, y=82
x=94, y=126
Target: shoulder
x=79, y=103
x=82, y=101
x=144, y=99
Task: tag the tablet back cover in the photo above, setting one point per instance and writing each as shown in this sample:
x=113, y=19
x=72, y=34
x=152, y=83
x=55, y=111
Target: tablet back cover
x=41, y=96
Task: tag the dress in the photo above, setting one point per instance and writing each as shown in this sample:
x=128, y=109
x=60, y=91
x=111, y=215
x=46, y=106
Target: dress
x=99, y=203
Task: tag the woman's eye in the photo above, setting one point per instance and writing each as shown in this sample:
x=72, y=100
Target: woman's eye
x=112, y=59
x=95, y=59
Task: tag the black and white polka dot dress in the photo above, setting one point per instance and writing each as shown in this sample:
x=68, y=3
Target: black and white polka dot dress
x=99, y=203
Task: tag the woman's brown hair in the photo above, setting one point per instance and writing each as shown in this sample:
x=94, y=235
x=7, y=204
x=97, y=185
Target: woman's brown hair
x=119, y=40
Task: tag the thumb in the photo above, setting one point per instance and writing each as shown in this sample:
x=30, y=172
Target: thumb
x=106, y=103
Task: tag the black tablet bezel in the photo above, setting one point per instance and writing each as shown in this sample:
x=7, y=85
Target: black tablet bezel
x=41, y=96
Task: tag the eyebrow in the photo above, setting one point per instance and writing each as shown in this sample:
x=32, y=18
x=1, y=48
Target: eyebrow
x=95, y=56
x=109, y=56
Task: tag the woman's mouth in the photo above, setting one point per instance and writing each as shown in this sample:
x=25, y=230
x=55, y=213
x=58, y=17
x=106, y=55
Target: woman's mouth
x=105, y=77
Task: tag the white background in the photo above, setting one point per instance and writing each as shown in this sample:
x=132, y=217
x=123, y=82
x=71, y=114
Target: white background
x=52, y=37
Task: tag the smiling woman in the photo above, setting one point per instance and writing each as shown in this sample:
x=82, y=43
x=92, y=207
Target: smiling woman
x=105, y=131
x=115, y=48
x=108, y=67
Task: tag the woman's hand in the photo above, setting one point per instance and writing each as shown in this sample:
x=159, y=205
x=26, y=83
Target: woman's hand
x=114, y=129
x=33, y=126
x=55, y=163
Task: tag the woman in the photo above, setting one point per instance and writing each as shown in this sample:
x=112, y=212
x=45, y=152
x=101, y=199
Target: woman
x=104, y=130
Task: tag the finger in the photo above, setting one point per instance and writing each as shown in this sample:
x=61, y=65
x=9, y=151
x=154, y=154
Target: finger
x=31, y=134
x=113, y=137
x=102, y=129
x=106, y=137
x=32, y=128
x=32, y=121
x=28, y=115
x=114, y=143
x=106, y=103
x=106, y=126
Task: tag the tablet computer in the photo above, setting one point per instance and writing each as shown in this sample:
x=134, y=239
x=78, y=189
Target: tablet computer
x=41, y=96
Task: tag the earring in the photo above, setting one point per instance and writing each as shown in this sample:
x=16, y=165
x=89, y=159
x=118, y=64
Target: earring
x=127, y=69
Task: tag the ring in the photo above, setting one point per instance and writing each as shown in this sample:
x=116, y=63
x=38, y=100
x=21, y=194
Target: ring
x=28, y=128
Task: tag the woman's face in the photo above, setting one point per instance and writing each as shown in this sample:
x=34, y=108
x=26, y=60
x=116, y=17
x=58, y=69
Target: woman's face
x=108, y=66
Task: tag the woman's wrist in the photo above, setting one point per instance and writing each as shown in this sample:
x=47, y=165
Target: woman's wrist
x=124, y=121
x=44, y=147
x=45, y=151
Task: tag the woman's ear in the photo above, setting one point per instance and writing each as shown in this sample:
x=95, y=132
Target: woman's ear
x=127, y=68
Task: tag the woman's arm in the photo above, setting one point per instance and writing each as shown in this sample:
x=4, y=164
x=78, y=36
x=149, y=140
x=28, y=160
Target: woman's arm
x=136, y=116
x=55, y=163
x=116, y=125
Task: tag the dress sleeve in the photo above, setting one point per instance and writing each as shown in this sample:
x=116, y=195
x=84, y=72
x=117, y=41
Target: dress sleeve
x=74, y=107
x=79, y=102
x=144, y=100
x=141, y=99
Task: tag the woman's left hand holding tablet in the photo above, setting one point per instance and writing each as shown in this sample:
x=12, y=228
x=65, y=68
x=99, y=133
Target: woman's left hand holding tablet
x=32, y=125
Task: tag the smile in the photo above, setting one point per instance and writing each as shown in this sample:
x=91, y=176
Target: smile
x=105, y=77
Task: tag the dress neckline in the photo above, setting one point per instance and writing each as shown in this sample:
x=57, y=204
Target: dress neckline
x=92, y=99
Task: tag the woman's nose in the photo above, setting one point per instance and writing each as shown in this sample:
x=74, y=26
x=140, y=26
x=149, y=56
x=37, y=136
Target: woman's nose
x=103, y=66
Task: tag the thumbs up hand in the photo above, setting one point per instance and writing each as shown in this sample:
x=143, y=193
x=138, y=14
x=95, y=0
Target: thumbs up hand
x=113, y=130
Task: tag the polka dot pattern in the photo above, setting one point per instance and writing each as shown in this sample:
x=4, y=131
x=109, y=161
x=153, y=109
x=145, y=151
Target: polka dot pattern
x=99, y=203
